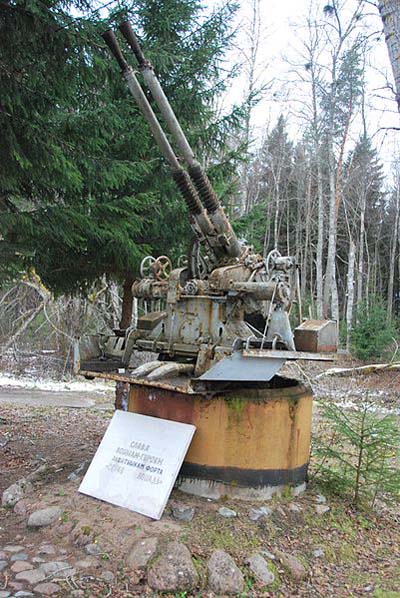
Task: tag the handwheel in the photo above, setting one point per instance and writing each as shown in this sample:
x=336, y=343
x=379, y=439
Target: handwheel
x=273, y=254
x=162, y=267
x=146, y=266
x=183, y=261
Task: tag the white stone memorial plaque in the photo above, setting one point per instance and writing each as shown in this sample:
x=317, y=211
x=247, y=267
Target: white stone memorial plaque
x=137, y=462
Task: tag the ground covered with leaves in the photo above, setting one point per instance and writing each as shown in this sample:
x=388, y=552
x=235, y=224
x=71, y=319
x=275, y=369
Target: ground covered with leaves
x=344, y=551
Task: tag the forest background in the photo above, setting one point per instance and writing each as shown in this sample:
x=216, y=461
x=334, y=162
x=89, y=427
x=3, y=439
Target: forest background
x=84, y=194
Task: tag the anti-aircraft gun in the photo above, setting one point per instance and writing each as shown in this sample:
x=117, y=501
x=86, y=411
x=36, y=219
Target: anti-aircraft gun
x=224, y=315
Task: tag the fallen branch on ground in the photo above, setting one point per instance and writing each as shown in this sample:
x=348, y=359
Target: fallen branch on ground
x=362, y=369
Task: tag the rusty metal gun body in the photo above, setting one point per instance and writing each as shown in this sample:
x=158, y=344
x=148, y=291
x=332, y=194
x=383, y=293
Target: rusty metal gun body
x=205, y=308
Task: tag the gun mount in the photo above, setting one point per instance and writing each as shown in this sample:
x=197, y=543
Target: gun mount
x=224, y=316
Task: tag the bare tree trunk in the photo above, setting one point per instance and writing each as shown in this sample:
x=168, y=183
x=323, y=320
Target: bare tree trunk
x=335, y=299
x=287, y=227
x=360, y=265
x=276, y=221
x=253, y=36
x=343, y=32
x=330, y=273
x=307, y=239
x=311, y=287
x=267, y=231
x=335, y=198
x=330, y=269
x=392, y=263
x=350, y=292
x=372, y=278
x=363, y=205
x=127, y=304
x=298, y=245
x=398, y=284
x=390, y=14
x=312, y=52
x=135, y=312
x=320, y=243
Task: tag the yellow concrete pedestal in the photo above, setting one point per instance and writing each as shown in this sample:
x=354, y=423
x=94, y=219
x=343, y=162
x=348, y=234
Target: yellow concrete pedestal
x=249, y=443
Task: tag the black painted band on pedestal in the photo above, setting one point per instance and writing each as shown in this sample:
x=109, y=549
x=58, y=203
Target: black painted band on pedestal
x=253, y=478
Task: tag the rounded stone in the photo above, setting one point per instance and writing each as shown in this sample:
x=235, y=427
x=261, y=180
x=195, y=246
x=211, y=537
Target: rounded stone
x=141, y=553
x=44, y=517
x=292, y=565
x=33, y=576
x=227, y=513
x=173, y=571
x=59, y=568
x=15, y=493
x=46, y=589
x=260, y=570
x=20, y=556
x=224, y=577
x=256, y=514
x=182, y=512
x=13, y=548
x=19, y=566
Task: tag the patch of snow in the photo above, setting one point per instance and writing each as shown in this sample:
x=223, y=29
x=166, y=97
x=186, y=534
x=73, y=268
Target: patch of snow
x=372, y=408
x=356, y=406
x=9, y=381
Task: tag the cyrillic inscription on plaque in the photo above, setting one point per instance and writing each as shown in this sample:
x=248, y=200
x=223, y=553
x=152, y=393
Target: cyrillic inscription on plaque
x=137, y=462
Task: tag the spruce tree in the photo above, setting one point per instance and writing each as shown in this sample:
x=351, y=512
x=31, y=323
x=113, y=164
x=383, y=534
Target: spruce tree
x=84, y=191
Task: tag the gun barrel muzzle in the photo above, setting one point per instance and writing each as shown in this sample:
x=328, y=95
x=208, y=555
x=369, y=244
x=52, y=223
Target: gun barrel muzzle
x=112, y=43
x=130, y=36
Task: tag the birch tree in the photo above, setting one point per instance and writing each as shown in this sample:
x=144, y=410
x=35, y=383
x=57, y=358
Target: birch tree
x=340, y=102
x=276, y=164
x=255, y=85
x=393, y=245
x=314, y=78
